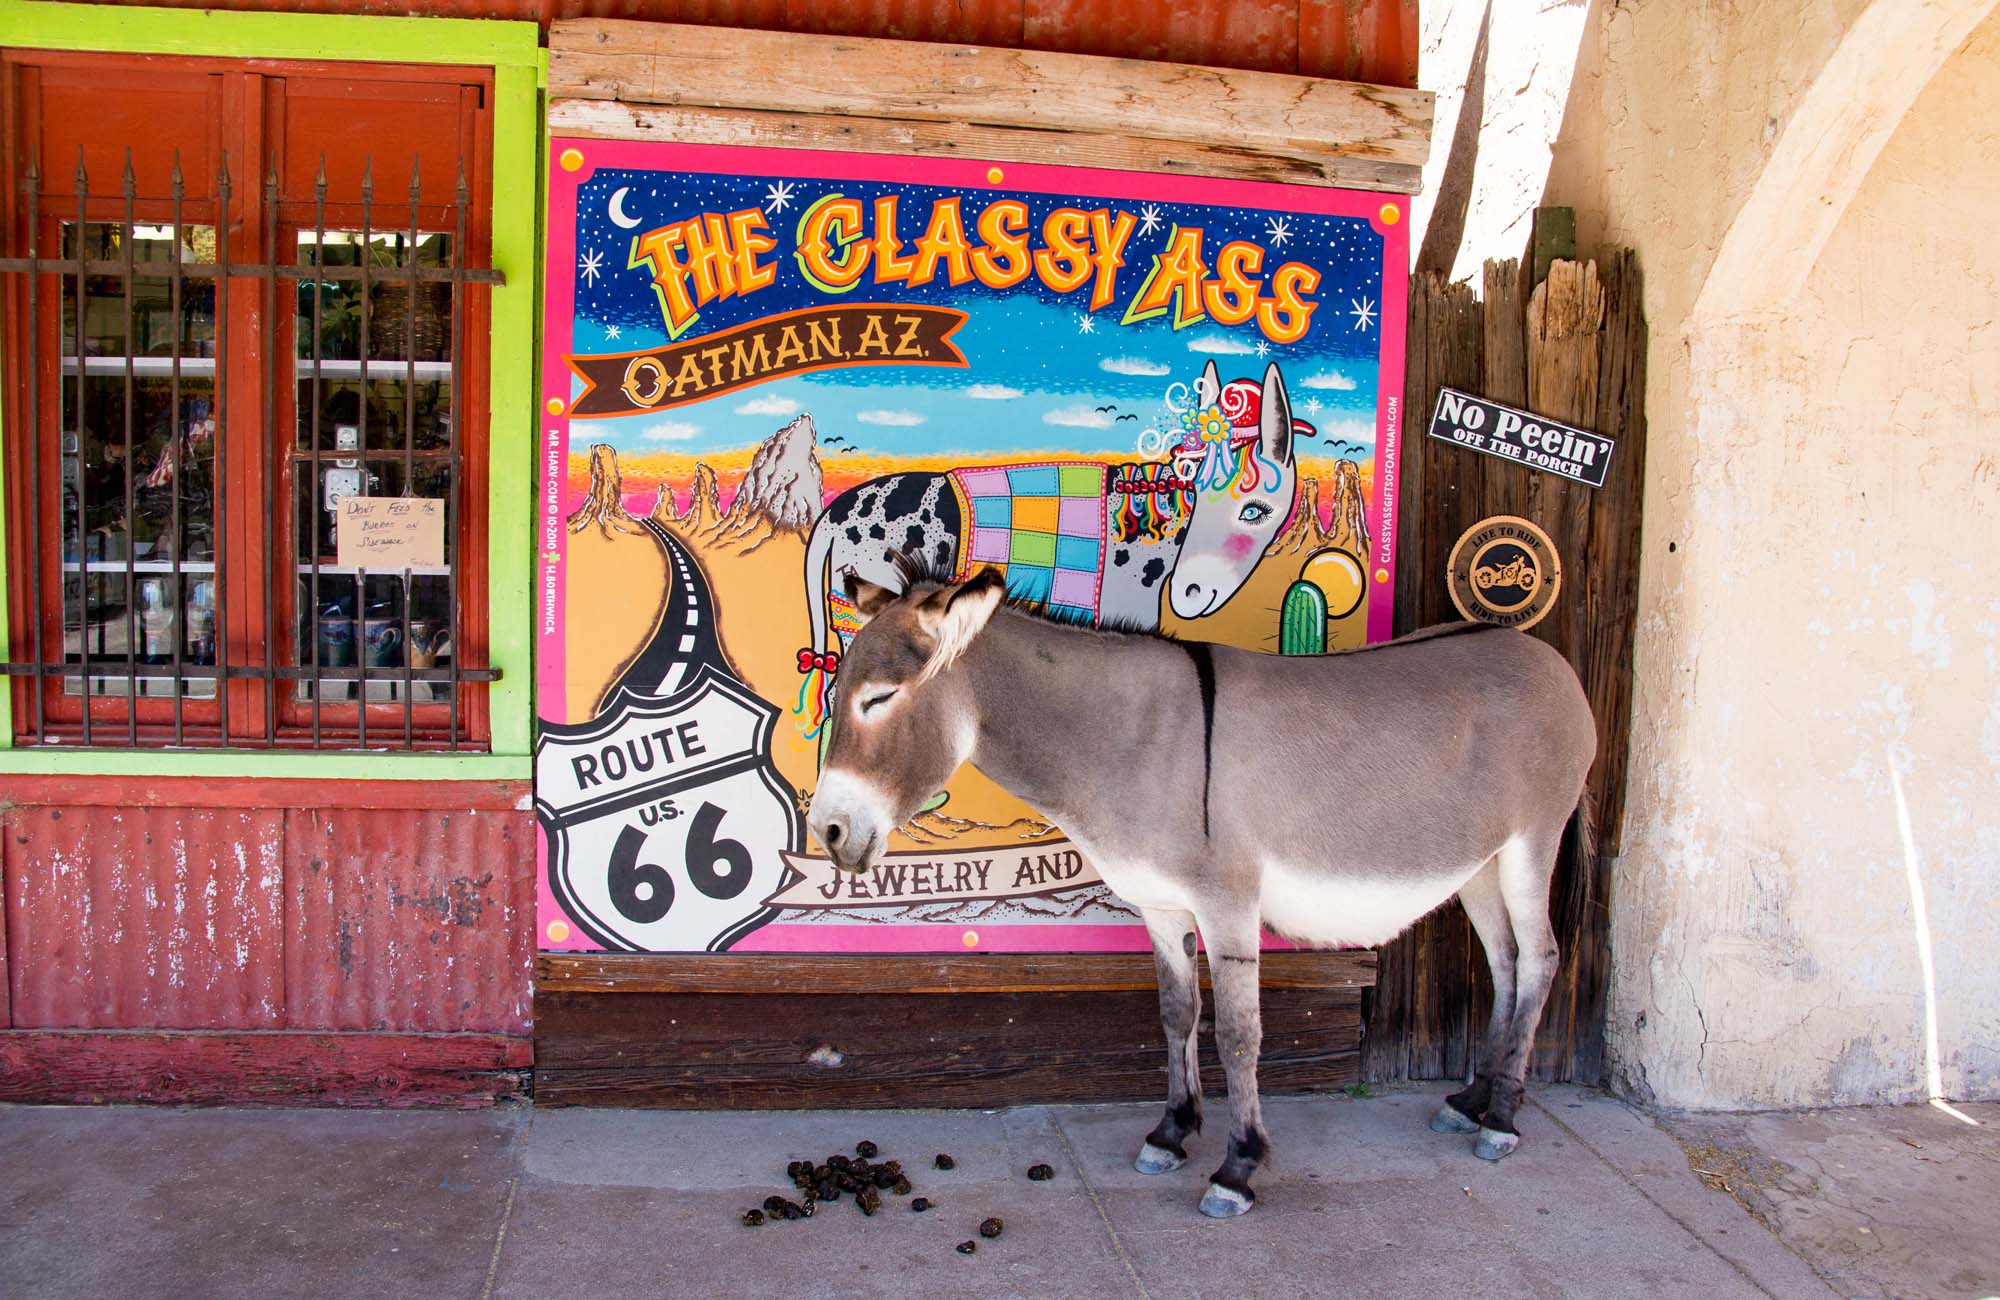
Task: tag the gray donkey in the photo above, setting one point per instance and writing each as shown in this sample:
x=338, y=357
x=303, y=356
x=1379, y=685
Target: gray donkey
x=1335, y=799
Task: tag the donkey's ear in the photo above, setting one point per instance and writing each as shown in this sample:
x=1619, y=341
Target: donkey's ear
x=952, y=616
x=1274, y=418
x=867, y=598
x=1208, y=391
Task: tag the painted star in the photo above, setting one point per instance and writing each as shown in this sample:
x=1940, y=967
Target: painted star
x=592, y=266
x=1149, y=219
x=1263, y=348
x=611, y=331
x=1084, y=323
x=777, y=196
x=1363, y=312
x=1312, y=406
x=1279, y=230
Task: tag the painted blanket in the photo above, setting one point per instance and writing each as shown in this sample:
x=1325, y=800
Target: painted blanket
x=1040, y=524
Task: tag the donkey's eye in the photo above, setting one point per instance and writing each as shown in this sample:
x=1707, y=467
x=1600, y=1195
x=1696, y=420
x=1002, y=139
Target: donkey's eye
x=873, y=702
x=1254, y=512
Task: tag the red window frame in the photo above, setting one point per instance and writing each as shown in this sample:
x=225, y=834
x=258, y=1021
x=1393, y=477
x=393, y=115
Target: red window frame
x=284, y=118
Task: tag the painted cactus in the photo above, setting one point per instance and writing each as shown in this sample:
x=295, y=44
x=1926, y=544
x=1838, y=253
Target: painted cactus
x=1302, y=622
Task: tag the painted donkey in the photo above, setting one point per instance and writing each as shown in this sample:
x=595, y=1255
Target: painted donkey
x=1093, y=542
x=1334, y=799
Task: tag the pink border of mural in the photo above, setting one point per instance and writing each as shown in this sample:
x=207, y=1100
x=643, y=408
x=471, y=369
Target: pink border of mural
x=971, y=175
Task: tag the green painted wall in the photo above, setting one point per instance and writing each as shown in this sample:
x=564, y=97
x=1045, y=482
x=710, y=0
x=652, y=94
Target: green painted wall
x=519, y=70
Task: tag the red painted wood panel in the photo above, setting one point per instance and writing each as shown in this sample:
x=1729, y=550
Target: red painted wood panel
x=6, y=981
x=406, y=920
x=464, y=1070
x=132, y=917
x=265, y=792
x=1259, y=35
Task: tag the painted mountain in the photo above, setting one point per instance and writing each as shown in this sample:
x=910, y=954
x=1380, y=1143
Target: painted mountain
x=781, y=492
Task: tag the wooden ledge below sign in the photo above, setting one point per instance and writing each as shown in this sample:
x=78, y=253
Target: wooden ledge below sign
x=559, y=972
x=788, y=1032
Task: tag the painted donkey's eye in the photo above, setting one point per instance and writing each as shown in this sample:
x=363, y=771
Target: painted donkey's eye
x=1254, y=512
x=873, y=702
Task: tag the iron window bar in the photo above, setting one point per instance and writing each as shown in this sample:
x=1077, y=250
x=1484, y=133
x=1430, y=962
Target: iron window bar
x=179, y=452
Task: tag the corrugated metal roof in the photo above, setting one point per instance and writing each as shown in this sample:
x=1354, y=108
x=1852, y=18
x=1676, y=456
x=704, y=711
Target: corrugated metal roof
x=1352, y=40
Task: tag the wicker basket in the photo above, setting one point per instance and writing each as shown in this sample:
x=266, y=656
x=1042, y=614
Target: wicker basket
x=389, y=319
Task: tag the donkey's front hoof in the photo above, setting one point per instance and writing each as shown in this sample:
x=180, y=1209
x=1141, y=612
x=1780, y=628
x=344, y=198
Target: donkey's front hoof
x=1450, y=1119
x=1226, y=1202
x=1495, y=1145
x=1158, y=1160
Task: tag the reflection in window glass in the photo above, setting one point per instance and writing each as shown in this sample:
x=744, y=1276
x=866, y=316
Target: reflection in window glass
x=139, y=577
x=359, y=415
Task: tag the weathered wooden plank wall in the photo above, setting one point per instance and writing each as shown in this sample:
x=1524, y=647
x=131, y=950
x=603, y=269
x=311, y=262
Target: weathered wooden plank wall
x=1572, y=348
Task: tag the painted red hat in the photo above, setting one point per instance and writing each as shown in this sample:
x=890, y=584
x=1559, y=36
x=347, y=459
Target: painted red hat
x=1243, y=400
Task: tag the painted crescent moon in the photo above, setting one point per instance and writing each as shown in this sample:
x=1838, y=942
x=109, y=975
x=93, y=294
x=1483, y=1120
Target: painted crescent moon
x=617, y=210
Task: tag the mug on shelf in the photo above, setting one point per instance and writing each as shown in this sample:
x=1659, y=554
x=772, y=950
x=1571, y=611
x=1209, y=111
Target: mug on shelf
x=429, y=640
x=336, y=643
x=383, y=639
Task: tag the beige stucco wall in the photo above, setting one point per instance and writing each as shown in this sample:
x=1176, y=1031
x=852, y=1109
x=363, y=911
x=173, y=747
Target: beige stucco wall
x=1820, y=582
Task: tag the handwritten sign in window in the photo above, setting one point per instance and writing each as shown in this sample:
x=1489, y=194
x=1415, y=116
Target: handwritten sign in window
x=390, y=533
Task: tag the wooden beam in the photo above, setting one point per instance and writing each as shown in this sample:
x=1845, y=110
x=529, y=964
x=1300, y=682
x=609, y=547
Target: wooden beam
x=558, y=972
x=200, y=1068
x=874, y=1049
x=606, y=119
x=681, y=66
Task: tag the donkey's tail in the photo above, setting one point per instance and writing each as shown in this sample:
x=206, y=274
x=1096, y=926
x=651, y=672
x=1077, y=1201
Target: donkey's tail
x=814, y=662
x=1583, y=841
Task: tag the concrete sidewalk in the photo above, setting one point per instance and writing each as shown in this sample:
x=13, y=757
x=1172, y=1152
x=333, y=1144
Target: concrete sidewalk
x=1364, y=1200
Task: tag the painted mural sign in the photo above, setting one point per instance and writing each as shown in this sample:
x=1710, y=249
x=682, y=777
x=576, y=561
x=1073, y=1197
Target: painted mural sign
x=766, y=369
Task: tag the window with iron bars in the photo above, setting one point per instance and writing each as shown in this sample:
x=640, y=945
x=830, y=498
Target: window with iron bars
x=237, y=295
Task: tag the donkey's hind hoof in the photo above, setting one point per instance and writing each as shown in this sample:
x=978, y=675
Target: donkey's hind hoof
x=1450, y=1119
x=1495, y=1145
x=1157, y=1160
x=1226, y=1202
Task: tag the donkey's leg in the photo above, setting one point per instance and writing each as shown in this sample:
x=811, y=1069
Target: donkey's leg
x=1526, y=864
x=1488, y=912
x=1239, y=1033
x=1180, y=1012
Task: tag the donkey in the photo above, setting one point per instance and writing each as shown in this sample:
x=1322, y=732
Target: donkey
x=1240, y=490
x=1334, y=799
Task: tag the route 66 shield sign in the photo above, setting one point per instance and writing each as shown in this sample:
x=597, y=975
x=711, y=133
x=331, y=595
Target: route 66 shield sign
x=665, y=818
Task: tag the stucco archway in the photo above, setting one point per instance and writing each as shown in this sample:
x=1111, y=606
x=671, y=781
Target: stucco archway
x=1888, y=55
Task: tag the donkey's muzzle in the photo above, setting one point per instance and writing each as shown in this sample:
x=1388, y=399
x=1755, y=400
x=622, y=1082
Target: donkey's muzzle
x=845, y=846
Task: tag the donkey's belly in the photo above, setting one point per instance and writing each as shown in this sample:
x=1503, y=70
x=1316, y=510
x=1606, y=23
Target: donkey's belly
x=1313, y=907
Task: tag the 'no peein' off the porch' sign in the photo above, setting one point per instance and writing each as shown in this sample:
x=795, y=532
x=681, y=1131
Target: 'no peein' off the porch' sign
x=1522, y=437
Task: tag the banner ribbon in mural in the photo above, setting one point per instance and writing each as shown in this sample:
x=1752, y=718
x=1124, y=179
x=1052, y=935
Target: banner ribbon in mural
x=901, y=879
x=791, y=343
